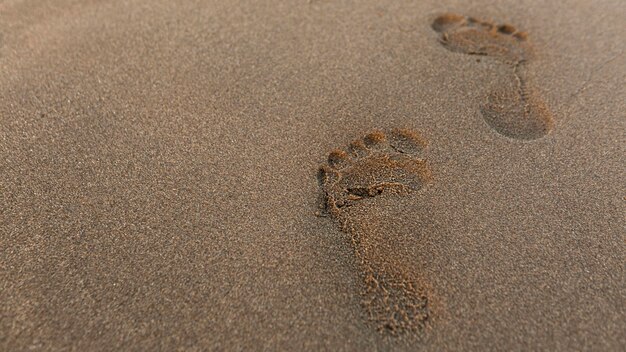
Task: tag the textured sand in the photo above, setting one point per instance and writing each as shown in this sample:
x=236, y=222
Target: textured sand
x=158, y=182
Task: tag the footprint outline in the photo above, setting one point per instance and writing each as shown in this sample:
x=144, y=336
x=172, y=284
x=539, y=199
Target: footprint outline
x=516, y=112
x=379, y=165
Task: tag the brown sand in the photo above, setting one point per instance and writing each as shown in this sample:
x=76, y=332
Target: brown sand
x=512, y=109
x=355, y=185
x=159, y=163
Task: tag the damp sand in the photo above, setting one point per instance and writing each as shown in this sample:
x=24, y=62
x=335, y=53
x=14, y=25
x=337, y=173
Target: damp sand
x=161, y=183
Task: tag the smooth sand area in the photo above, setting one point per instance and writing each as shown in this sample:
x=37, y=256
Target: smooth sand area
x=160, y=183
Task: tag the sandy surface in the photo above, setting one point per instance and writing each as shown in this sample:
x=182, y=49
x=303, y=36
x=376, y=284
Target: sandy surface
x=158, y=176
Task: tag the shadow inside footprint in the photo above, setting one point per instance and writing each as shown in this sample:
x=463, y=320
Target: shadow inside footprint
x=513, y=110
x=355, y=184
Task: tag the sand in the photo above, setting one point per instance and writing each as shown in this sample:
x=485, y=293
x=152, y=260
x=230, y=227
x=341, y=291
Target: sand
x=160, y=161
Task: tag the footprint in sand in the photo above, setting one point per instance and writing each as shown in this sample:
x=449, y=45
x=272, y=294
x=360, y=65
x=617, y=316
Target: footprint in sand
x=513, y=109
x=358, y=184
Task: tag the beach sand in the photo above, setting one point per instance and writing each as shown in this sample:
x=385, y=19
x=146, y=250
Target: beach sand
x=160, y=185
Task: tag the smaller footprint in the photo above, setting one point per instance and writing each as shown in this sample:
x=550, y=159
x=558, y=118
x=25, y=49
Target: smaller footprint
x=354, y=182
x=471, y=36
x=514, y=109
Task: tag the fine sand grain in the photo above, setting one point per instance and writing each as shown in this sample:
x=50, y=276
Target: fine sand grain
x=512, y=109
x=160, y=179
x=353, y=183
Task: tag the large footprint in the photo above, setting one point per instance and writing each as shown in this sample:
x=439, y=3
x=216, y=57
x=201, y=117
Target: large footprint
x=357, y=186
x=512, y=109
